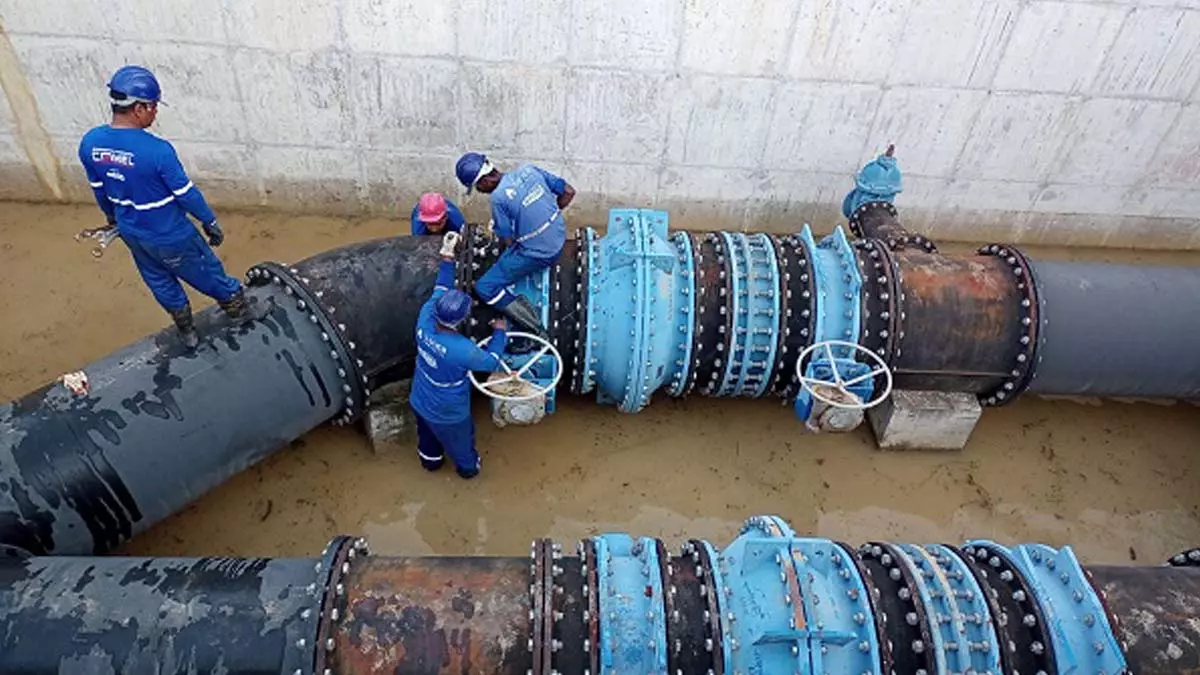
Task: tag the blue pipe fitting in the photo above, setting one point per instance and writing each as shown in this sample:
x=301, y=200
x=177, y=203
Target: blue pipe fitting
x=685, y=318
x=962, y=634
x=755, y=304
x=1080, y=633
x=634, y=309
x=633, y=622
x=794, y=605
x=839, y=289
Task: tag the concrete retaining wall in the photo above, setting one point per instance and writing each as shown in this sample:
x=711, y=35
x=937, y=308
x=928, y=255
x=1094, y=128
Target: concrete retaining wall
x=1054, y=122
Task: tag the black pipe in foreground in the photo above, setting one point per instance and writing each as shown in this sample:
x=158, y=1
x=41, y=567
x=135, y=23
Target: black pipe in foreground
x=159, y=426
x=622, y=604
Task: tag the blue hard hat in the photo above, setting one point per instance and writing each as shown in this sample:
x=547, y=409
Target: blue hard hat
x=452, y=308
x=471, y=167
x=136, y=84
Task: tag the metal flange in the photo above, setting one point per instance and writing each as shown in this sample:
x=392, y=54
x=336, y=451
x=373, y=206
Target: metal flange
x=883, y=311
x=798, y=320
x=716, y=326
x=906, y=617
x=353, y=386
x=1021, y=622
x=1031, y=317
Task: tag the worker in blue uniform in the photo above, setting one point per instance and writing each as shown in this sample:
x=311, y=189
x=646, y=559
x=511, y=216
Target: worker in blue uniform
x=441, y=391
x=433, y=214
x=527, y=207
x=146, y=195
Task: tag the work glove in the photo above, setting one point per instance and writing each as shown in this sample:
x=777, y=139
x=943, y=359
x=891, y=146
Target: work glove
x=215, y=235
x=449, y=244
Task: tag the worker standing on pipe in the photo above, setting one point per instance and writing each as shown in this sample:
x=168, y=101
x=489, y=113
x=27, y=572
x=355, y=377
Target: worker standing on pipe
x=441, y=392
x=433, y=213
x=146, y=195
x=527, y=213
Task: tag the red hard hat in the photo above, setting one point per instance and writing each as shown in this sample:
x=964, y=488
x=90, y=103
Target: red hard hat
x=431, y=208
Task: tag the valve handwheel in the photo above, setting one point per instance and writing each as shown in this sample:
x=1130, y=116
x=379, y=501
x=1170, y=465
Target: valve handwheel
x=814, y=385
x=486, y=387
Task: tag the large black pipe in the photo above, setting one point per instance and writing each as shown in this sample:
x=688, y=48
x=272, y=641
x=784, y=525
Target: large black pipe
x=159, y=426
x=1117, y=330
x=82, y=473
x=354, y=614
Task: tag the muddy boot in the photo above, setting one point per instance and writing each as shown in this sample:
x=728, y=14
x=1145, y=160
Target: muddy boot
x=187, y=328
x=241, y=310
x=522, y=312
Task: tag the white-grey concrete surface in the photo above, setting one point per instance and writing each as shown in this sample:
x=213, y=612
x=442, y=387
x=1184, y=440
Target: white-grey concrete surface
x=1037, y=121
x=925, y=420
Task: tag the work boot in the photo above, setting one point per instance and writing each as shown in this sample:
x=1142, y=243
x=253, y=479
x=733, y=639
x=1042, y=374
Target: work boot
x=522, y=312
x=242, y=311
x=187, y=327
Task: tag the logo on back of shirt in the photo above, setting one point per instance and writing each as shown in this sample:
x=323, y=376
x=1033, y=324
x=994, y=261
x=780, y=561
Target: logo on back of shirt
x=107, y=157
x=115, y=175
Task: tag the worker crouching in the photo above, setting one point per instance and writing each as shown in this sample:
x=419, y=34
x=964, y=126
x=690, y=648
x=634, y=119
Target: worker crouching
x=441, y=391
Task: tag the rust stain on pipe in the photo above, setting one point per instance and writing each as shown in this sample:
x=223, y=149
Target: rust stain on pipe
x=430, y=616
x=1158, y=614
x=961, y=322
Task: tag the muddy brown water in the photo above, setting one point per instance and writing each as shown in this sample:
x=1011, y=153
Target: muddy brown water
x=1115, y=480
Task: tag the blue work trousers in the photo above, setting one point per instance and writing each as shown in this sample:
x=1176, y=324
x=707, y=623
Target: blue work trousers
x=509, y=268
x=435, y=441
x=162, y=266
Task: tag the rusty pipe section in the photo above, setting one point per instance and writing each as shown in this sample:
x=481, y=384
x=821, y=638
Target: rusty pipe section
x=959, y=329
x=619, y=604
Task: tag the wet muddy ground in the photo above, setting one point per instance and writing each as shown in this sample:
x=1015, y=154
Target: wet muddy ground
x=1117, y=480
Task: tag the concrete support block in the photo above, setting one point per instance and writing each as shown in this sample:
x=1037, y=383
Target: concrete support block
x=1017, y=137
x=401, y=27
x=925, y=420
x=390, y=422
x=1156, y=54
x=302, y=98
x=853, y=40
x=514, y=110
x=616, y=116
x=953, y=43
x=505, y=31
x=641, y=35
x=282, y=25
x=736, y=37
x=930, y=127
x=1058, y=46
x=1114, y=140
x=821, y=126
x=719, y=121
x=405, y=103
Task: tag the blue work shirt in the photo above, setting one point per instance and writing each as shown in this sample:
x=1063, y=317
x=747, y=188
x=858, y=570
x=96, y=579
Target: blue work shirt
x=441, y=392
x=454, y=220
x=140, y=184
x=525, y=210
